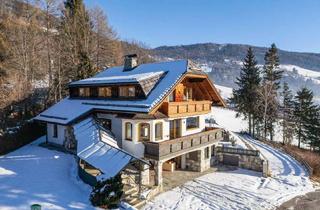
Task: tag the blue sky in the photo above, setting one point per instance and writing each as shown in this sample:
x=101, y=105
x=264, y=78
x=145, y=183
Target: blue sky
x=291, y=24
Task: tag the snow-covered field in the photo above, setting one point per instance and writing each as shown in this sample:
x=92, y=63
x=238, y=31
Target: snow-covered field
x=33, y=174
x=241, y=125
x=225, y=92
x=302, y=71
x=239, y=189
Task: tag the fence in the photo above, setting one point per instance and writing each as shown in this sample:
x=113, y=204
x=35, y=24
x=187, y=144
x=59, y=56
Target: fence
x=295, y=156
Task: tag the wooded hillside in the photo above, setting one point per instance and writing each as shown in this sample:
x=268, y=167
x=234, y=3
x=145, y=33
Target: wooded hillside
x=45, y=44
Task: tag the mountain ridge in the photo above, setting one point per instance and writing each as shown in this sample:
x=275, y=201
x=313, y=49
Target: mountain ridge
x=223, y=62
x=238, y=51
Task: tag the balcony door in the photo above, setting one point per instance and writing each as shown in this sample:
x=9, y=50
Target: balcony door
x=175, y=128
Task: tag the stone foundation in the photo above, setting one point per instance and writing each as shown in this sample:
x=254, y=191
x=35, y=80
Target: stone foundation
x=250, y=162
x=197, y=161
x=145, y=175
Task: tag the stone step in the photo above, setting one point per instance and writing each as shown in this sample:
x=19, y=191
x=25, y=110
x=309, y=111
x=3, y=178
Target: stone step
x=138, y=204
x=130, y=191
x=131, y=200
x=133, y=194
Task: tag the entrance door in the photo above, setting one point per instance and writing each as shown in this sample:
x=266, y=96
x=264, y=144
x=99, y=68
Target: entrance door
x=175, y=129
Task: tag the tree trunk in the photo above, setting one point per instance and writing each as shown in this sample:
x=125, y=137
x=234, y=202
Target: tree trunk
x=250, y=124
x=253, y=126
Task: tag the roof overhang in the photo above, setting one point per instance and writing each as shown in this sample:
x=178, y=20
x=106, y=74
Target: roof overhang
x=216, y=97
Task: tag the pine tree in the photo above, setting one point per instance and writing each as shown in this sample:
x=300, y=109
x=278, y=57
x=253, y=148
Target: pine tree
x=107, y=193
x=272, y=73
x=76, y=31
x=269, y=90
x=84, y=68
x=306, y=116
x=287, y=114
x=312, y=128
x=245, y=97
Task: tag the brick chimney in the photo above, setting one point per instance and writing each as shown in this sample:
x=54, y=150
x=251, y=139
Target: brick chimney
x=130, y=62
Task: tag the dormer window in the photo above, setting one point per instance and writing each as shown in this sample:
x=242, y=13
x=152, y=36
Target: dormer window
x=84, y=92
x=127, y=91
x=104, y=92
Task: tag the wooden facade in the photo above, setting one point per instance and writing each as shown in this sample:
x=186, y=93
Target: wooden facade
x=193, y=95
x=186, y=108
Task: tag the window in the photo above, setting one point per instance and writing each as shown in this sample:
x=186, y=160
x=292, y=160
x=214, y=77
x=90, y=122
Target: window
x=128, y=127
x=144, y=131
x=106, y=123
x=104, y=92
x=187, y=94
x=213, y=150
x=84, y=92
x=74, y=92
x=55, y=131
x=158, y=131
x=207, y=152
x=127, y=91
x=192, y=122
x=171, y=96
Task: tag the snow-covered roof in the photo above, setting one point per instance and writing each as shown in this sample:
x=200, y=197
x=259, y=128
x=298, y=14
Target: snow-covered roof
x=68, y=109
x=134, y=78
x=99, y=148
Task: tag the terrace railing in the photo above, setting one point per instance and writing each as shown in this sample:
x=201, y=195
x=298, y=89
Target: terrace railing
x=175, y=147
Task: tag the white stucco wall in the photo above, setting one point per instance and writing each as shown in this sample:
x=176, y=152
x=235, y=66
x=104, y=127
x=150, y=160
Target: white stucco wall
x=134, y=146
x=61, y=134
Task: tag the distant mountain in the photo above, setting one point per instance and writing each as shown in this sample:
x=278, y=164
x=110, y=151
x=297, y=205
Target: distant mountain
x=223, y=62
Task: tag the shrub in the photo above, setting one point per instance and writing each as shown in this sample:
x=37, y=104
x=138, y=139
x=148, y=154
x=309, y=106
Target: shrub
x=107, y=193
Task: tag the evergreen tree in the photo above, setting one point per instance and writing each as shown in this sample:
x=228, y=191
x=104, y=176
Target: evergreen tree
x=84, y=69
x=107, y=193
x=312, y=128
x=307, y=117
x=287, y=114
x=76, y=31
x=269, y=90
x=245, y=97
x=272, y=73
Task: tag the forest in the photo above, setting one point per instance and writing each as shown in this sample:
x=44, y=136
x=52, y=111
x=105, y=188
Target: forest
x=44, y=45
x=265, y=102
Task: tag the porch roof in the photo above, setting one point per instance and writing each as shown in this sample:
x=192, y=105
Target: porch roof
x=99, y=148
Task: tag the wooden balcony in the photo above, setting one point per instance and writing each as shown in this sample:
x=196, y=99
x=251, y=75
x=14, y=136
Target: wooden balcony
x=172, y=148
x=186, y=108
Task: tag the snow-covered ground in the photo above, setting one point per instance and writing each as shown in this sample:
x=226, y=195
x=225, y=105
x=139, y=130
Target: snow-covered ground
x=33, y=174
x=238, y=124
x=225, y=92
x=239, y=189
x=302, y=71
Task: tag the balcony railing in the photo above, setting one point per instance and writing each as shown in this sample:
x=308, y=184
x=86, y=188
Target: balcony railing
x=186, y=108
x=175, y=147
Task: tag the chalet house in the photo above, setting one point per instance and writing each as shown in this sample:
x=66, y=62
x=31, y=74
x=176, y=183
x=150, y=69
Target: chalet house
x=151, y=115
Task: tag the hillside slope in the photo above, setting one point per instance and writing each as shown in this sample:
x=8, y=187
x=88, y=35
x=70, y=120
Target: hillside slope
x=223, y=62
